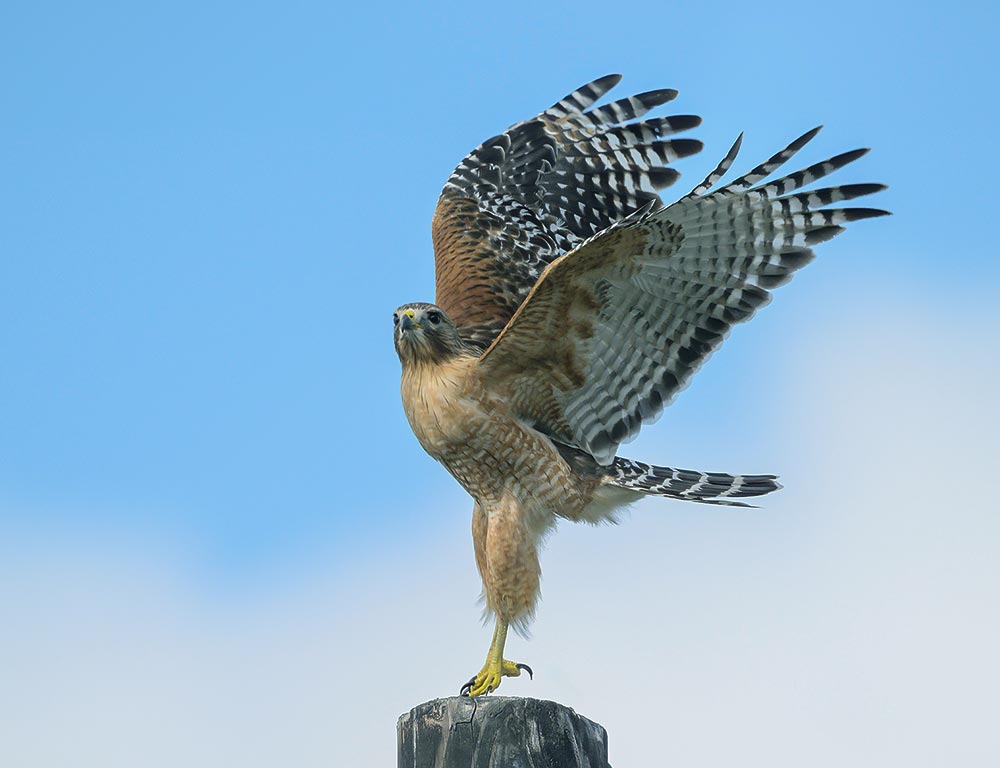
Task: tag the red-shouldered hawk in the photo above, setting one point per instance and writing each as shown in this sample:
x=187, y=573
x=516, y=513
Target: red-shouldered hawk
x=573, y=305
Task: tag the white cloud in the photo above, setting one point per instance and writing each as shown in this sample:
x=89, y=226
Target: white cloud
x=852, y=621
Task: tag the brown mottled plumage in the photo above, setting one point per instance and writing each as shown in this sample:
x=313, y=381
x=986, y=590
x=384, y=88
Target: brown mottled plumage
x=574, y=305
x=517, y=475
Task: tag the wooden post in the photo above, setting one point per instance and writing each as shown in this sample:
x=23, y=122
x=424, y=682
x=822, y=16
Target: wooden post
x=461, y=732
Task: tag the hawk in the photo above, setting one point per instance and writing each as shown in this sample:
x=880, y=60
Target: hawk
x=573, y=305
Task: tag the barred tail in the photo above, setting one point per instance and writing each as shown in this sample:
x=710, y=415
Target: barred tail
x=703, y=487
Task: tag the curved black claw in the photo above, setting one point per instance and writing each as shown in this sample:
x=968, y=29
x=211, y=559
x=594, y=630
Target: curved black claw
x=467, y=688
x=526, y=668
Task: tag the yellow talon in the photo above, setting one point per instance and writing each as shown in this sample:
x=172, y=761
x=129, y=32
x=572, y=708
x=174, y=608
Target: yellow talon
x=510, y=669
x=496, y=667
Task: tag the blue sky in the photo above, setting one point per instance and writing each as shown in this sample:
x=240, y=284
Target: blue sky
x=209, y=211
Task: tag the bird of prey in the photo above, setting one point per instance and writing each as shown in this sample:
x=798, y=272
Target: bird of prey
x=573, y=305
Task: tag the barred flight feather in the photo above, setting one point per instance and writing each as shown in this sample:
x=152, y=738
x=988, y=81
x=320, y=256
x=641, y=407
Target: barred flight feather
x=538, y=190
x=689, y=485
x=636, y=309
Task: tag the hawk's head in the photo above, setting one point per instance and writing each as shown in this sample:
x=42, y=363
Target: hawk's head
x=424, y=333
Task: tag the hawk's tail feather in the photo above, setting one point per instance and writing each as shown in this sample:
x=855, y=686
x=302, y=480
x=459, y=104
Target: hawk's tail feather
x=688, y=485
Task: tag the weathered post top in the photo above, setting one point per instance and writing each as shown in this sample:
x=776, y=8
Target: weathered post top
x=461, y=732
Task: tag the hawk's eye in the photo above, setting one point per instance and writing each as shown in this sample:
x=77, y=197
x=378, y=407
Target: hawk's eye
x=395, y=319
x=434, y=317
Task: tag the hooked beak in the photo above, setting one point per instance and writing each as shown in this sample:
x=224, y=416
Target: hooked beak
x=406, y=321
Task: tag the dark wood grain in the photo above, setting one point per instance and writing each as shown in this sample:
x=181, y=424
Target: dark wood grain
x=499, y=732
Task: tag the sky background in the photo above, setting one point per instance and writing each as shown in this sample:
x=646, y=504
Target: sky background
x=221, y=544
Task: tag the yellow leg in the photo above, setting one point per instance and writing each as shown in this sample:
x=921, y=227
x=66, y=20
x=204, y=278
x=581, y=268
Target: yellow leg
x=496, y=667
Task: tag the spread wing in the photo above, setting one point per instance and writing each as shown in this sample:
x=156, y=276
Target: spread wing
x=523, y=198
x=614, y=329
